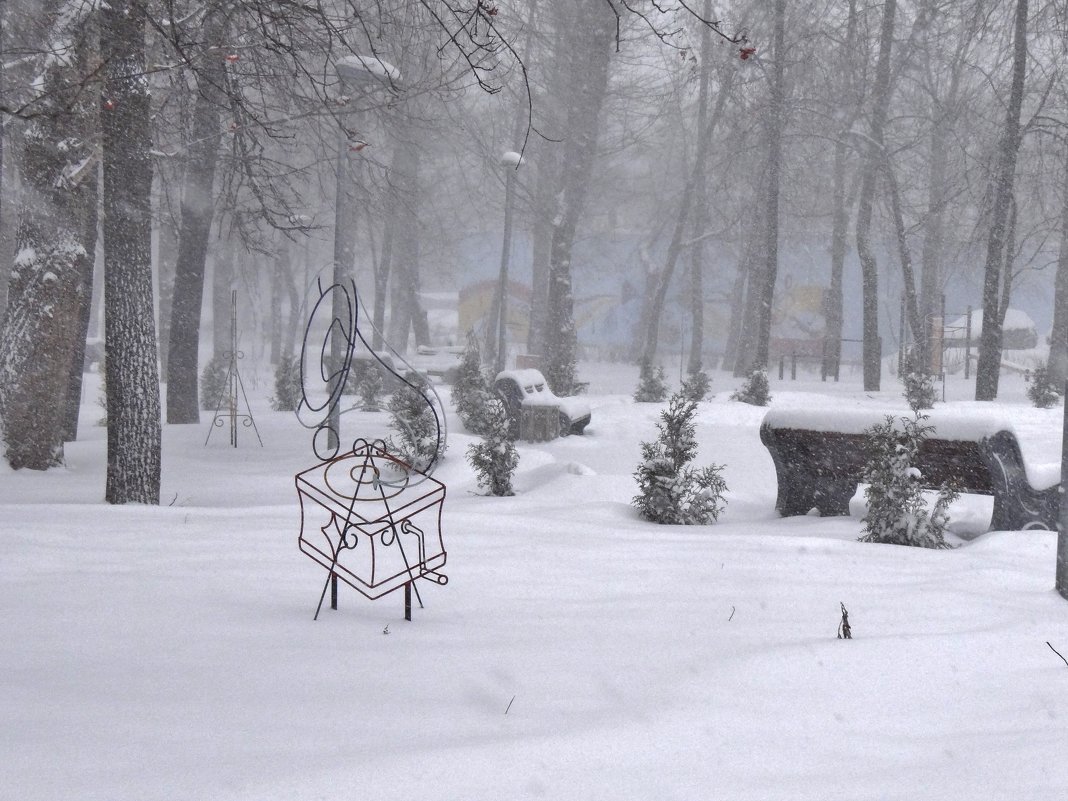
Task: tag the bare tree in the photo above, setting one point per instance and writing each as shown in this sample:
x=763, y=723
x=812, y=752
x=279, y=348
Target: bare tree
x=756, y=332
x=197, y=207
x=593, y=35
x=874, y=161
x=988, y=368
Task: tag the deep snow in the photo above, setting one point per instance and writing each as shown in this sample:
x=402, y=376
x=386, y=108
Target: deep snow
x=577, y=652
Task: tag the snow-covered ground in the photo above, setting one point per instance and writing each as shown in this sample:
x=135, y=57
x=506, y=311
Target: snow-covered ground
x=576, y=653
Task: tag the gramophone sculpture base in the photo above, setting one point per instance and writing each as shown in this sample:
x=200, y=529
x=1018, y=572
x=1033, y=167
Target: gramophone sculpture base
x=372, y=522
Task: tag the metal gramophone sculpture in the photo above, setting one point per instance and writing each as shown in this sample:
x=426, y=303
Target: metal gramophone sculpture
x=368, y=517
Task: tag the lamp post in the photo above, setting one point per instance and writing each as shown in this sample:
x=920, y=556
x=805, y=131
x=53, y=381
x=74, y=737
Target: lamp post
x=362, y=73
x=510, y=160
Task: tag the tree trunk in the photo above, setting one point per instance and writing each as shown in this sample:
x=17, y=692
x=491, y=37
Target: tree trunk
x=933, y=238
x=166, y=260
x=405, y=311
x=87, y=265
x=777, y=122
x=594, y=38
x=908, y=278
x=832, y=353
x=706, y=128
x=1058, y=338
x=133, y=474
x=383, y=268
x=223, y=271
x=988, y=368
x=731, y=349
x=197, y=210
x=875, y=157
x=43, y=318
x=279, y=270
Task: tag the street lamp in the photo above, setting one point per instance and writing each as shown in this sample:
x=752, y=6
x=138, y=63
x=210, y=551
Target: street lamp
x=510, y=160
x=362, y=73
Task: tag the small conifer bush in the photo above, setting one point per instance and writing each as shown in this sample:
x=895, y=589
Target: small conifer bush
x=495, y=458
x=670, y=490
x=696, y=385
x=652, y=388
x=919, y=390
x=897, y=511
x=755, y=390
x=287, y=392
x=1043, y=392
x=412, y=418
x=471, y=391
x=213, y=384
x=370, y=388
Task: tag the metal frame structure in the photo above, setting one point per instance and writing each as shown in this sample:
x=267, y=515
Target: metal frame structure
x=372, y=526
x=234, y=387
x=371, y=519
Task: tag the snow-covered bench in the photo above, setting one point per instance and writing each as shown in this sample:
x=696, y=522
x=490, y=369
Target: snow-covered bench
x=819, y=458
x=534, y=412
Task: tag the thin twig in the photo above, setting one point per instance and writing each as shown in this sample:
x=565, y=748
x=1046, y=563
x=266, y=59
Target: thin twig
x=732, y=614
x=1058, y=653
x=509, y=705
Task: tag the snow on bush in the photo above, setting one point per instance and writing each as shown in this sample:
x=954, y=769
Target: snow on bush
x=897, y=511
x=287, y=392
x=919, y=390
x=652, y=387
x=670, y=490
x=411, y=416
x=213, y=384
x=369, y=388
x=494, y=459
x=1042, y=391
x=755, y=390
x=696, y=385
x=471, y=392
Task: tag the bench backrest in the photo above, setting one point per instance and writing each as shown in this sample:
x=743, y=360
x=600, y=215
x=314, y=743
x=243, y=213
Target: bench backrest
x=832, y=454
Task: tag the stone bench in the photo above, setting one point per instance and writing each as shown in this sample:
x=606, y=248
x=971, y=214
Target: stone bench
x=819, y=458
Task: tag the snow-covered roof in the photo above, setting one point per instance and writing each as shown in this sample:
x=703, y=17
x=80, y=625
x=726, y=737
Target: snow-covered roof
x=1015, y=320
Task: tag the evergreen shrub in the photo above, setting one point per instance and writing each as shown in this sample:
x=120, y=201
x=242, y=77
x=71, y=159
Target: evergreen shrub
x=696, y=385
x=897, y=511
x=670, y=490
x=495, y=458
x=471, y=391
x=755, y=390
x=213, y=384
x=1042, y=391
x=652, y=388
x=287, y=385
x=412, y=418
